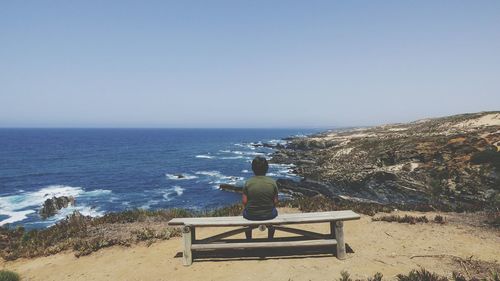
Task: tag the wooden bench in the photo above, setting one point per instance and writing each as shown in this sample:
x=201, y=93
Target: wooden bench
x=305, y=239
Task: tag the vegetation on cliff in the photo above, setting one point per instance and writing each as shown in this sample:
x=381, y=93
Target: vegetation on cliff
x=450, y=162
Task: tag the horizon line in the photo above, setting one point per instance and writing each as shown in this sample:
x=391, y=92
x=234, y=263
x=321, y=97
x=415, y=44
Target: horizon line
x=190, y=128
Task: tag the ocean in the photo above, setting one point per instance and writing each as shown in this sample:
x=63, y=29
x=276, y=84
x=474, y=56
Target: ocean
x=109, y=170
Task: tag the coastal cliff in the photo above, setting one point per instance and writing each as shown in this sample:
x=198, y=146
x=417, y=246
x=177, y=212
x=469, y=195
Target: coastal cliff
x=449, y=162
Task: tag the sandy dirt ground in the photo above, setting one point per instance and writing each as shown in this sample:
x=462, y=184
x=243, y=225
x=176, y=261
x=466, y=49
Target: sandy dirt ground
x=389, y=248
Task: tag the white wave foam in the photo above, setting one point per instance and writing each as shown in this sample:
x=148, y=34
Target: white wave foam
x=245, y=171
x=277, y=141
x=246, y=145
x=95, y=193
x=170, y=193
x=205, y=156
x=148, y=204
x=210, y=173
x=252, y=153
x=14, y=216
x=17, y=207
x=218, y=178
x=84, y=210
x=36, y=198
x=179, y=190
x=180, y=176
x=281, y=166
x=246, y=153
x=233, y=157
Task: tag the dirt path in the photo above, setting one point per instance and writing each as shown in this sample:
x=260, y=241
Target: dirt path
x=378, y=246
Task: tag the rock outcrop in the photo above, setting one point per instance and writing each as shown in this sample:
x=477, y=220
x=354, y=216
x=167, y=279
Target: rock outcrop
x=449, y=161
x=52, y=205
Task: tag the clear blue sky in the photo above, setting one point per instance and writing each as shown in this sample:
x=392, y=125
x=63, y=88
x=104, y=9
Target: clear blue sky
x=245, y=63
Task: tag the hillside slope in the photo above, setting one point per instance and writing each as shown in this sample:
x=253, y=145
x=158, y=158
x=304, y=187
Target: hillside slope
x=451, y=161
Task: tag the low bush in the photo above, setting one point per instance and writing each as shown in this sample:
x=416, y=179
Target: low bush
x=424, y=275
x=439, y=219
x=402, y=219
x=377, y=277
x=321, y=203
x=6, y=275
x=488, y=156
x=420, y=275
x=493, y=218
x=345, y=276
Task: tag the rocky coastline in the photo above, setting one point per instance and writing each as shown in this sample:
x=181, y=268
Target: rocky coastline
x=447, y=163
x=52, y=205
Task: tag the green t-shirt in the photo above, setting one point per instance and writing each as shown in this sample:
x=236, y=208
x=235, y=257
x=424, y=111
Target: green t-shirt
x=260, y=191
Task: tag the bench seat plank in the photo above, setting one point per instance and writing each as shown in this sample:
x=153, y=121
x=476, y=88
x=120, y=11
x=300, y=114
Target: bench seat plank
x=299, y=218
x=254, y=245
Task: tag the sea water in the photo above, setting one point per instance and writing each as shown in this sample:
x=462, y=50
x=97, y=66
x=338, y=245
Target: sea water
x=108, y=170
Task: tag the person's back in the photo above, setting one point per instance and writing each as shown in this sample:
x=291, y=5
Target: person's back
x=261, y=192
x=260, y=196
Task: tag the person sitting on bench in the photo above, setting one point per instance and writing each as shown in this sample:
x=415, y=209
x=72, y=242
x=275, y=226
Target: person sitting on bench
x=260, y=196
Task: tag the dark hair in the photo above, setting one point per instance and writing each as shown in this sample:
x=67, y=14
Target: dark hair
x=260, y=166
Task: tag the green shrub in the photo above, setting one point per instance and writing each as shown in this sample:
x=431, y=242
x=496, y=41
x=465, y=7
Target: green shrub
x=439, y=219
x=345, y=276
x=377, y=277
x=495, y=276
x=402, y=219
x=488, y=156
x=6, y=275
x=421, y=275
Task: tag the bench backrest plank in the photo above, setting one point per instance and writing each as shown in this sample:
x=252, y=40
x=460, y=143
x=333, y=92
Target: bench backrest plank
x=281, y=219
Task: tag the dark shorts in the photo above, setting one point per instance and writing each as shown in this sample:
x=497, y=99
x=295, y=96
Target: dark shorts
x=253, y=218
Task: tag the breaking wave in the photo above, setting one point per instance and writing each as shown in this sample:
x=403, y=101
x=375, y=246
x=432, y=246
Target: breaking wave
x=205, y=156
x=180, y=176
x=18, y=207
x=173, y=192
x=215, y=178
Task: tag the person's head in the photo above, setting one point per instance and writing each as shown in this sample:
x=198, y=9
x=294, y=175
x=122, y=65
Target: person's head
x=260, y=166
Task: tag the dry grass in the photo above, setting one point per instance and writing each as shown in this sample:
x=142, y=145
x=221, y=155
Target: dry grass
x=85, y=235
x=321, y=203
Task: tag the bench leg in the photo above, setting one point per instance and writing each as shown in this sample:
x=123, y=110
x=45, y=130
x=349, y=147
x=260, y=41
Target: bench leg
x=332, y=229
x=193, y=235
x=187, y=236
x=248, y=232
x=339, y=236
